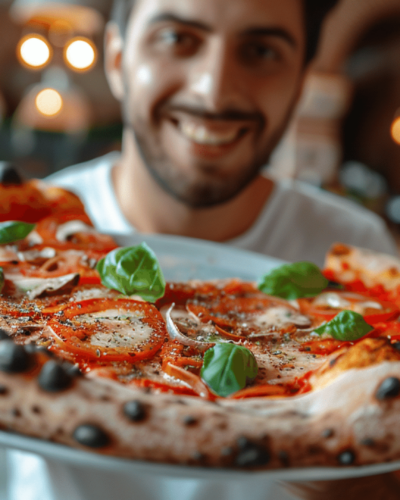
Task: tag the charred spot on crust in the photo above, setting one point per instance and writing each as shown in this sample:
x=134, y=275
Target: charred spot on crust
x=346, y=457
x=53, y=377
x=284, y=458
x=332, y=362
x=9, y=174
x=389, y=388
x=250, y=454
x=13, y=357
x=3, y=390
x=36, y=409
x=368, y=442
x=327, y=433
x=16, y=412
x=135, y=410
x=4, y=335
x=189, y=420
x=91, y=436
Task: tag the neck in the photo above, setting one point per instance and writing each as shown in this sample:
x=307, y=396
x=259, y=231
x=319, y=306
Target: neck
x=151, y=210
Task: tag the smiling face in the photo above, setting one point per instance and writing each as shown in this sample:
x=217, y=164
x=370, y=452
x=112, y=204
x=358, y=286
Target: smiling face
x=207, y=88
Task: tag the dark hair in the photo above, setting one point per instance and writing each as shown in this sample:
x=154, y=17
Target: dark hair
x=315, y=12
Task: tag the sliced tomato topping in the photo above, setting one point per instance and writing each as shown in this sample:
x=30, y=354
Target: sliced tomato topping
x=189, y=378
x=262, y=391
x=65, y=262
x=328, y=304
x=323, y=347
x=109, y=330
x=160, y=387
x=187, y=357
x=84, y=237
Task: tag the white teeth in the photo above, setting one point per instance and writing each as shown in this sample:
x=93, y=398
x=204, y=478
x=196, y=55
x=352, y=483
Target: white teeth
x=202, y=135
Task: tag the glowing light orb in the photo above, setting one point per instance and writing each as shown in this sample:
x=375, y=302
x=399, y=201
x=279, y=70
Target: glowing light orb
x=49, y=102
x=34, y=51
x=395, y=130
x=80, y=54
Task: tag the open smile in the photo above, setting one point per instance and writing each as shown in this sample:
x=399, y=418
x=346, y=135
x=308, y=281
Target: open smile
x=206, y=132
x=204, y=135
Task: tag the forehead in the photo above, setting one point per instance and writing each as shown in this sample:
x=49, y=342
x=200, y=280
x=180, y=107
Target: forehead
x=227, y=16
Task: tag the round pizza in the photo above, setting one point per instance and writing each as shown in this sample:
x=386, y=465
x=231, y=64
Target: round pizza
x=98, y=352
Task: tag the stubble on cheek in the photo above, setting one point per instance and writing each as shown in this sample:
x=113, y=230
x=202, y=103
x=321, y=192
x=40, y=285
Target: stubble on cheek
x=197, y=185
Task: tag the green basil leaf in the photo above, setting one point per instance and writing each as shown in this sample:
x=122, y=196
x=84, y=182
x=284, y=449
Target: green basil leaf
x=1, y=279
x=347, y=325
x=133, y=271
x=293, y=281
x=228, y=367
x=11, y=231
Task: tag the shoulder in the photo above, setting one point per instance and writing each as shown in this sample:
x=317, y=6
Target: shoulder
x=344, y=219
x=77, y=177
x=324, y=202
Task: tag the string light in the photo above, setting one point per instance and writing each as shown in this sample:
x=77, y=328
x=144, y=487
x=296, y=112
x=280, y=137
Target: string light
x=49, y=102
x=80, y=54
x=34, y=51
x=395, y=130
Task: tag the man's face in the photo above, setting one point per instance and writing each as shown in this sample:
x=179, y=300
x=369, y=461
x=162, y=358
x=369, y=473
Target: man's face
x=208, y=89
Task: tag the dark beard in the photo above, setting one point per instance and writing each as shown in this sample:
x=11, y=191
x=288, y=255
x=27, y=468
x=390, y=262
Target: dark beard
x=199, y=194
x=215, y=188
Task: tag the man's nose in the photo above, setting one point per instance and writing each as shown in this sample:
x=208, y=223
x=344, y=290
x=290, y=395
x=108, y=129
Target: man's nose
x=214, y=80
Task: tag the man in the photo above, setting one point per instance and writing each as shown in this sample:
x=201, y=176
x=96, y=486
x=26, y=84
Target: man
x=207, y=88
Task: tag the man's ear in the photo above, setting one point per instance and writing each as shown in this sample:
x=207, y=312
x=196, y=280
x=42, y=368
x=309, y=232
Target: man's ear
x=113, y=45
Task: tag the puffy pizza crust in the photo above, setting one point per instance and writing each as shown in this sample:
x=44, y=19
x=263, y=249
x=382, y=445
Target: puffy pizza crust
x=351, y=421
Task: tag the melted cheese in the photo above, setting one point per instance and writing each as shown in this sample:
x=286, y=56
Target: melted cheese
x=337, y=301
x=118, y=328
x=280, y=317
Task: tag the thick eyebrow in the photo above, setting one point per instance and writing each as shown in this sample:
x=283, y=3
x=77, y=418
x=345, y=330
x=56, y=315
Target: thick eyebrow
x=180, y=20
x=274, y=32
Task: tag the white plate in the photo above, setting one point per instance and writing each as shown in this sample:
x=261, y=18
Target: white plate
x=186, y=258
x=181, y=259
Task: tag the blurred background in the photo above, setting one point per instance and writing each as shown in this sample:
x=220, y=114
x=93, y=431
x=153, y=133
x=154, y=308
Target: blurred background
x=56, y=109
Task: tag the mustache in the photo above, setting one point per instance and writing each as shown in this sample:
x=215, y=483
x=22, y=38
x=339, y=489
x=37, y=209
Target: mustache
x=225, y=115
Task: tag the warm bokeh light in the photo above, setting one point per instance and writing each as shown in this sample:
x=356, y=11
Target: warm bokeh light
x=49, y=102
x=395, y=130
x=34, y=51
x=80, y=54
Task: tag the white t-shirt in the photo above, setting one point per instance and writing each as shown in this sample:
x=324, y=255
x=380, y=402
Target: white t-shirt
x=298, y=223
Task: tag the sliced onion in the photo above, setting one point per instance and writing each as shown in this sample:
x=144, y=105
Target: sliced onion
x=62, y=284
x=64, y=231
x=175, y=334
x=30, y=255
x=192, y=380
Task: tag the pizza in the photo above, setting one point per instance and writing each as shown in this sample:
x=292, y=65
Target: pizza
x=97, y=352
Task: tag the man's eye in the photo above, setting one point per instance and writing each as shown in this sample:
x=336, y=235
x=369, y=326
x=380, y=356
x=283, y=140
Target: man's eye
x=258, y=52
x=182, y=43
